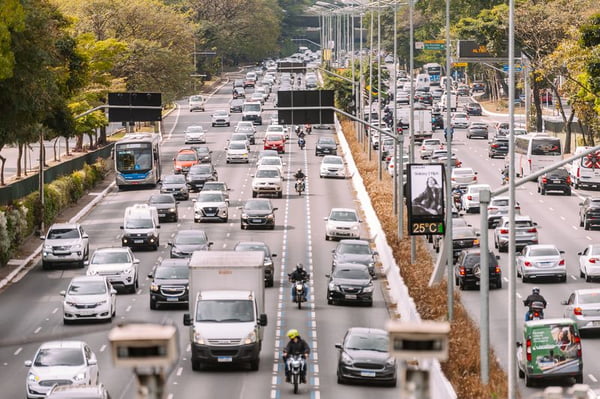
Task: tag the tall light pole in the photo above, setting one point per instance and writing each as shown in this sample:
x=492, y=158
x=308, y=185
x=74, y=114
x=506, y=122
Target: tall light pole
x=449, y=136
x=370, y=111
x=379, y=96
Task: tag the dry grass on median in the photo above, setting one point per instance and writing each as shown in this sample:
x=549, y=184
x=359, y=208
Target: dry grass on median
x=462, y=368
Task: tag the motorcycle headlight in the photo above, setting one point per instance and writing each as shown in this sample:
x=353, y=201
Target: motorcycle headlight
x=368, y=288
x=154, y=287
x=346, y=359
x=31, y=377
x=198, y=339
x=251, y=338
x=79, y=377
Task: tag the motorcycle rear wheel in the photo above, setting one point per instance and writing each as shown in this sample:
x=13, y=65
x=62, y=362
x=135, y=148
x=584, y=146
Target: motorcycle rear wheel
x=295, y=381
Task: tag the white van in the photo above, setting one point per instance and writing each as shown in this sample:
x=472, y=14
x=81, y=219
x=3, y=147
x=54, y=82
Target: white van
x=140, y=227
x=196, y=103
x=422, y=81
x=443, y=82
x=444, y=101
x=585, y=171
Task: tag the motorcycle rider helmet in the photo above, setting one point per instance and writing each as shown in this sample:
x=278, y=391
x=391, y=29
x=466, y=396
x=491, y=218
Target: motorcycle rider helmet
x=299, y=267
x=293, y=333
x=535, y=290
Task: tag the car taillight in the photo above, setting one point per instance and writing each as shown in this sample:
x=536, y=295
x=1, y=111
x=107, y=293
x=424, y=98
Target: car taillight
x=470, y=197
x=461, y=271
x=492, y=209
x=494, y=146
x=592, y=260
x=453, y=178
x=423, y=148
x=536, y=314
x=475, y=177
x=562, y=262
x=578, y=343
x=532, y=230
x=568, y=179
x=527, y=263
x=503, y=231
x=577, y=311
x=528, y=349
x=498, y=270
x=475, y=242
x=544, y=180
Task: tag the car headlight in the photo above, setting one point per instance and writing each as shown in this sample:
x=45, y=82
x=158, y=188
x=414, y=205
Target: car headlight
x=355, y=227
x=270, y=217
x=244, y=216
x=391, y=362
x=91, y=272
x=79, y=377
x=172, y=209
x=76, y=247
x=47, y=247
x=250, y=339
x=128, y=270
x=101, y=302
x=268, y=262
x=368, y=288
x=332, y=287
x=72, y=304
x=198, y=339
x=346, y=359
x=31, y=377
x=154, y=287
x=222, y=208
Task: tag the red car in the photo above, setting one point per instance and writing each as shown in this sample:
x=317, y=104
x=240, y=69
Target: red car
x=275, y=141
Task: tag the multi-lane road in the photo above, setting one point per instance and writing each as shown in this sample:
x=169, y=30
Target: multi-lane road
x=32, y=308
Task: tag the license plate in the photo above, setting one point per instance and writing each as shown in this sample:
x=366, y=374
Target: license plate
x=256, y=221
x=367, y=374
x=172, y=299
x=556, y=181
x=596, y=323
x=138, y=241
x=224, y=359
x=350, y=296
x=162, y=214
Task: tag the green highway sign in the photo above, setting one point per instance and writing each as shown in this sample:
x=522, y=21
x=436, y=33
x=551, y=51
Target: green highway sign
x=434, y=46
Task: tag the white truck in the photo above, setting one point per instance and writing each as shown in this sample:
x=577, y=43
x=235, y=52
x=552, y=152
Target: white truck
x=227, y=304
x=423, y=128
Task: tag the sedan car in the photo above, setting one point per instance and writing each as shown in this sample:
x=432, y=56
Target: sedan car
x=184, y=159
x=268, y=260
x=555, y=180
x=60, y=363
x=89, y=298
x=169, y=283
x=342, y=223
x=267, y=180
x=498, y=208
x=467, y=272
x=200, y=174
x=118, y=265
x=248, y=129
x=589, y=213
x=220, y=118
x=463, y=237
x=65, y=243
x=583, y=307
x=186, y=242
x=195, y=134
x=257, y=213
x=166, y=205
x=211, y=206
x=217, y=186
x=498, y=147
x=525, y=234
x=275, y=161
x=332, y=166
x=78, y=392
x=459, y=120
x=463, y=176
x=541, y=260
x=478, y=129
x=589, y=262
x=428, y=146
x=175, y=185
x=354, y=251
x=237, y=151
x=326, y=146
x=473, y=109
x=235, y=105
x=204, y=154
x=364, y=356
x=350, y=282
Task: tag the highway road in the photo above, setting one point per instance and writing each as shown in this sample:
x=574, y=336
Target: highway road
x=32, y=308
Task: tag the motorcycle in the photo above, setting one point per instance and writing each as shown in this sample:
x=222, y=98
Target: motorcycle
x=298, y=130
x=301, y=143
x=296, y=364
x=536, y=311
x=504, y=177
x=299, y=186
x=299, y=291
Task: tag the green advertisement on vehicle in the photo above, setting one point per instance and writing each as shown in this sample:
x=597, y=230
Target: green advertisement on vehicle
x=554, y=349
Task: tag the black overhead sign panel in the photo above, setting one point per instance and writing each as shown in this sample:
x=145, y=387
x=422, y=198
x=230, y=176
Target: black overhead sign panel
x=134, y=107
x=305, y=106
x=472, y=49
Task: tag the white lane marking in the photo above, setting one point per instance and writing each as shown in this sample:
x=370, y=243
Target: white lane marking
x=519, y=295
x=573, y=277
x=179, y=371
x=102, y=348
x=589, y=238
x=37, y=330
x=175, y=123
x=18, y=351
x=274, y=380
x=128, y=308
x=54, y=310
x=562, y=218
x=505, y=279
x=574, y=227
x=551, y=209
x=591, y=376
x=273, y=393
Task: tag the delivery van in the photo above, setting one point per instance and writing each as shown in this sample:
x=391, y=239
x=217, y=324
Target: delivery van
x=140, y=227
x=196, y=103
x=585, y=171
x=551, y=350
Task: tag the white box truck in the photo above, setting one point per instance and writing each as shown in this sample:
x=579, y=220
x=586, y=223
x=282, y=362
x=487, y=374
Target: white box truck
x=585, y=171
x=227, y=307
x=423, y=128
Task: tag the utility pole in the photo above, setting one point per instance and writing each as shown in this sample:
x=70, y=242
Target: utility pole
x=449, y=136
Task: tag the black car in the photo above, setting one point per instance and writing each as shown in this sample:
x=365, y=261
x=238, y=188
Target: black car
x=258, y=213
x=204, y=154
x=176, y=185
x=166, y=205
x=589, y=213
x=463, y=237
x=350, y=282
x=555, y=180
x=268, y=262
x=200, y=174
x=354, y=251
x=498, y=147
x=169, y=284
x=364, y=356
x=423, y=97
x=467, y=270
x=326, y=146
x=473, y=109
x=437, y=121
x=186, y=242
x=235, y=105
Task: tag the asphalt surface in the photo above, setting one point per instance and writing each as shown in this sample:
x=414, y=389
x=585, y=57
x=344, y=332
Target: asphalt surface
x=32, y=308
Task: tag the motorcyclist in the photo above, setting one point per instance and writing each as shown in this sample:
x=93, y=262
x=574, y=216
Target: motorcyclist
x=296, y=345
x=307, y=128
x=299, y=175
x=505, y=172
x=299, y=274
x=534, y=297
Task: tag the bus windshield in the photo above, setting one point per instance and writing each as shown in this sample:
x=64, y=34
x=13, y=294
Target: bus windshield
x=545, y=147
x=134, y=157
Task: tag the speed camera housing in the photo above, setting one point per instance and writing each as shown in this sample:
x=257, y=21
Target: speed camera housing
x=144, y=345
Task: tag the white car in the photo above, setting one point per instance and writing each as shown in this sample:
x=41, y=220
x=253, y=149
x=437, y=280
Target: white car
x=211, y=205
x=267, y=180
x=237, y=151
x=460, y=120
x=463, y=176
x=118, y=265
x=271, y=161
x=589, y=262
x=342, y=223
x=196, y=103
x=65, y=243
x=470, y=199
x=392, y=164
x=429, y=145
x=257, y=97
x=278, y=129
x=62, y=362
x=332, y=166
x=195, y=134
x=89, y=298
x=220, y=118
x=541, y=260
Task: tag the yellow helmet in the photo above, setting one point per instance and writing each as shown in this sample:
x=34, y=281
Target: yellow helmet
x=293, y=333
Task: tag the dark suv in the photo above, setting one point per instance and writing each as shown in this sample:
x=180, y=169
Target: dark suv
x=467, y=271
x=169, y=283
x=473, y=109
x=555, y=180
x=463, y=237
x=498, y=147
x=589, y=213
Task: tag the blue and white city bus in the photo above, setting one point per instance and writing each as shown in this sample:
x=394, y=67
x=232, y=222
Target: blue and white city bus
x=137, y=160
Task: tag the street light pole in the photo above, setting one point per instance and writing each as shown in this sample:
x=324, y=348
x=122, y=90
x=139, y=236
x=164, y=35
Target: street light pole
x=379, y=96
x=370, y=111
x=449, y=136
x=411, y=117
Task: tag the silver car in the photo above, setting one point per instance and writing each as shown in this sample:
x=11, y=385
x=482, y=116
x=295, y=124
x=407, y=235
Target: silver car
x=195, y=134
x=342, y=223
x=583, y=307
x=89, y=298
x=332, y=166
x=118, y=265
x=65, y=243
x=498, y=208
x=211, y=205
x=60, y=363
x=525, y=233
x=541, y=260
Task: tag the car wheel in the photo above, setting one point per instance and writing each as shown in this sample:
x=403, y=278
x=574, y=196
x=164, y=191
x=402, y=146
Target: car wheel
x=499, y=284
x=495, y=244
x=455, y=280
x=579, y=379
x=581, y=273
x=575, y=185
x=340, y=379
x=518, y=272
x=528, y=381
x=254, y=194
x=326, y=237
x=586, y=224
x=196, y=365
x=588, y=278
x=568, y=193
x=280, y=195
x=563, y=279
x=66, y=321
x=543, y=191
x=271, y=282
x=131, y=289
x=45, y=265
x=521, y=374
x=461, y=285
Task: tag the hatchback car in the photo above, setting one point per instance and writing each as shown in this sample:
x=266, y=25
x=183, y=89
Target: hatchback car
x=257, y=213
x=463, y=176
x=186, y=242
x=498, y=147
x=428, y=146
x=239, y=136
x=268, y=260
x=184, y=159
x=200, y=174
x=60, y=363
x=498, y=208
x=118, y=265
x=211, y=206
x=220, y=118
x=342, y=223
x=169, y=283
x=204, y=154
x=470, y=199
x=267, y=180
x=248, y=129
x=589, y=213
x=583, y=307
x=589, y=262
x=350, y=282
x=65, y=243
x=274, y=141
x=332, y=166
x=467, y=271
x=555, y=180
x=89, y=298
x=175, y=185
x=196, y=103
x=525, y=234
x=364, y=356
x=166, y=205
x=354, y=251
x=459, y=120
x=326, y=146
x=237, y=151
x=541, y=260
x=478, y=129
x=195, y=135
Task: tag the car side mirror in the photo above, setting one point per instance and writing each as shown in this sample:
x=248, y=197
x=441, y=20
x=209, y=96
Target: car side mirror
x=92, y=362
x=113, y=291
x=86, y=262
x=328, y=275
x=325, y=218
x=121, y=227
x=497, y=257
x=85, y=236
x=262, y=320
x=187, y=320
x=338, y=346
x=210, y=243
x=581, y=204
x=63, y=293
x=194, y=200
x=150, y=275
x=274, y=209
x=28, y=363
x=170, y=243
x=519, y=344
x=136, y=261
x=535, y=223
x=562, y=252
x=579, y=253
x=564, y=302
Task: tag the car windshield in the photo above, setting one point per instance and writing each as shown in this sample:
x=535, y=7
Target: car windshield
x=208, y=186
x=558, y=173
x=195, y=129
x=549, y=146
x=172, y=272
x=200, y=170
x=463, y=172
x=267, y=173
x=195, y=98
x=138, y=223
x=462, y=232
x=202, y=150
x=224, y=311
x=543, y=252
x=56, y=234
x=354, y=249
x=270, y=161
x=190, y=239
x=523, y=223
x=274, y=137
x=431, y=142
x=353, y=274
x=186, y=157
x=101, y=258
x=474, y=259
x=174, y=179
x=257, y=205
x=237, y=145
x=333, y=160
x=368, y=342
x=87, y=288
x=161, y=199
x=59, y=357
x=210, y=197
x=326, y=140
x=460, y=116
x=500, y=202
x=251, y=107
x=252, y=247
x=343, y=216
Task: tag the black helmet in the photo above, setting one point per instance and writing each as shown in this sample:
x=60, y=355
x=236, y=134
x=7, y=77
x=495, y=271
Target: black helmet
x=535, y=290
x=299, y=266
x=299, y=171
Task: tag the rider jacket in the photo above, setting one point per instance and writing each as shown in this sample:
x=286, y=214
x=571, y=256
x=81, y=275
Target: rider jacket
x=297, y=275
x=299, y=347
x=534, y=298
x=299, y=175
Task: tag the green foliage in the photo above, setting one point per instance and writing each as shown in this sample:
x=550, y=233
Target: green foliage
x=12, y=19
x=590, y=32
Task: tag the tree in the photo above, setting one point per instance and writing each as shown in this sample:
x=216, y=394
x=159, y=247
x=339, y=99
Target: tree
x=12, y=19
